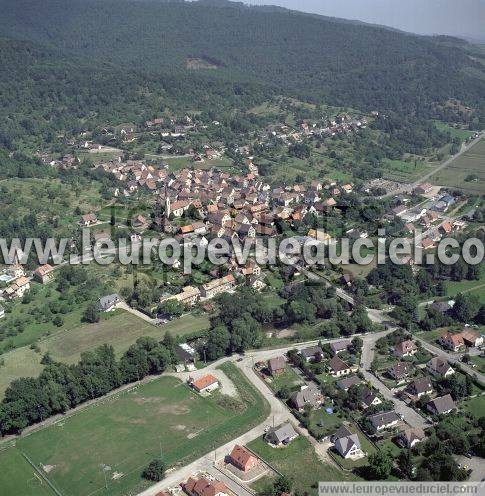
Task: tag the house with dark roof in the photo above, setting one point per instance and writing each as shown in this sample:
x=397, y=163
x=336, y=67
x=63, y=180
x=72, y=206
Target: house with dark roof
x=311, y=353
x=277, y=365
x=441, y=405
x=282, y=435
x=308, y=395
x=384, y=420
x=439, y=367
x=420, y=387
x=347, y=382
x=337, y=367
x=399, y=371
x=349, y=447
x=340, y=346
x=342, y=431
x=369, y=399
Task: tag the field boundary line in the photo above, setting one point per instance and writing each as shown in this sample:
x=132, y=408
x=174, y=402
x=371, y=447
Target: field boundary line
x=41, y=474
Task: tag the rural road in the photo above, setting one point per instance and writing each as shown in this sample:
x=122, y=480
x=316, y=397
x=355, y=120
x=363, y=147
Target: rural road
x=408, y=414
x=453, y=360
x=409, y=187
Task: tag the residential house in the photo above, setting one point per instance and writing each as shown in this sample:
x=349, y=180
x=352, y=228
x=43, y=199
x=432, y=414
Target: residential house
x=277, y=366
x=471, y=338
x=17, y=289
x=405, y=348
x=189, y=296
x=420, y=387
x=338, y=367
x=347, y=382
x=282, y=435
x=369, y=399
x=213, y=288
x=205, y=384
x=308, y=395
x=453, y=342
x=384, y=420
x=88, y=220
x=205, y=487
x=44, y=274
x=349, y=447
x=441, y=405
x=340, y=346
x=243, y=459
x=399, y=371
x=439, y=367
x=342, y=431
x=312, y=353
x=108, y=303
x=408, y=438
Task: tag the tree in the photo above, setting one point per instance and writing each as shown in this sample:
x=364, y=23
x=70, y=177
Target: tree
x=218, y=342
x=155, y=470
x=380, y=465
x=466, y=307
x=91, y=314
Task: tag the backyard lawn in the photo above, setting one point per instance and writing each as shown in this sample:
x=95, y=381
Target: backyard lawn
x=299, y=462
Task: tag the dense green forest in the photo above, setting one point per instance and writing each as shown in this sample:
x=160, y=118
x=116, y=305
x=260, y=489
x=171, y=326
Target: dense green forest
x=310, y=54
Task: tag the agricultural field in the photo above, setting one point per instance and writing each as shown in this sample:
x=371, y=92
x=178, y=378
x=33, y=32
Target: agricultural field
x=120, y=330
x=120, y=435
x=465, y=172
x=299, y=462
x=19, y=477
x=462, y=134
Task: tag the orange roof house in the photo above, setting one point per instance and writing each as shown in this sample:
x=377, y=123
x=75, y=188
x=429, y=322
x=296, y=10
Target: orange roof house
x=205, y=384
x=242, y=458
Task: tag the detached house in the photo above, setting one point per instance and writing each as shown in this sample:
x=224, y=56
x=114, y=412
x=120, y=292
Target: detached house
x=88, y=220
x=242, y=458
x=370, y=399
x=280, y=436
x=205, y=487
x=399, y=371
x=384, y=420
x=312, y=353
x=471, y=338
x=406, y=348
x=441, y=405
x=338, y=367
x=408, y=438
x=277, y=366
x=349, y=447
x=420, y=387
x=44, y=274
x=17, y=289
x=439, y=367
x=453, y=342
x=308, y=395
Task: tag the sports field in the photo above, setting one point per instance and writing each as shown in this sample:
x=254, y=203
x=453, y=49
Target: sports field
x=122, y=434
x=467, y=172
x=19, y=478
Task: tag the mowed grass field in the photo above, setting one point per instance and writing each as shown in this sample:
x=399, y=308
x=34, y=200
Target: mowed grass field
x=125, y=432
x=19, y=478
x=471, y=162
x=120, y=330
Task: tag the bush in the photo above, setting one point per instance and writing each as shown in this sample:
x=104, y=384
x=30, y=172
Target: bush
x=155, y=470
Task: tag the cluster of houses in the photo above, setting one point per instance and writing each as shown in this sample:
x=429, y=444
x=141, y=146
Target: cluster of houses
x=460, y=341
x=19, y=283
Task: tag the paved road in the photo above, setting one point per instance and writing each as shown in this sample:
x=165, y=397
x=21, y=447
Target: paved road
x=410, y=416
x=452, y=359
x=475, y=464
x=409, y=187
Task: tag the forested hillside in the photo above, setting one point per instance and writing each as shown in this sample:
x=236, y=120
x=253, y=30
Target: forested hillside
x=43, y=93
x=351, y=64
